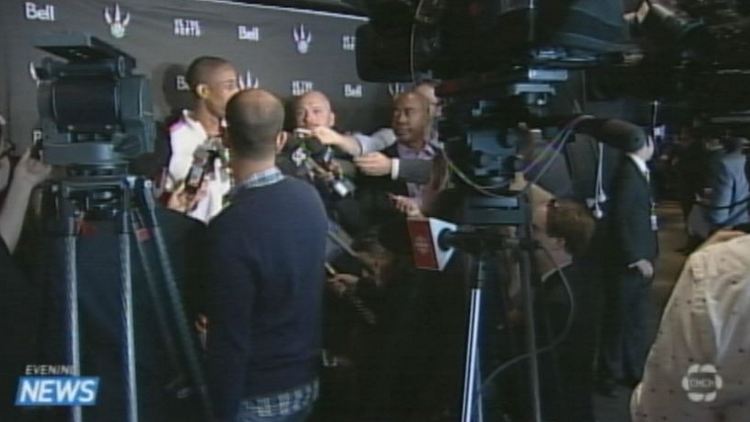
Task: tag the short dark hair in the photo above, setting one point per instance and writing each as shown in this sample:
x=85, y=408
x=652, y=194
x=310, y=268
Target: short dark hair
x=199, y=70
x=254, y=119
x=572, y=222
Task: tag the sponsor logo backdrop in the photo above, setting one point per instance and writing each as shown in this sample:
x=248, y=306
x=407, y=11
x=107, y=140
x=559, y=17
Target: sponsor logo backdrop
x=285, y=51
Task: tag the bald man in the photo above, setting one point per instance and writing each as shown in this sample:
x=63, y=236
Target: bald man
x=265, y=284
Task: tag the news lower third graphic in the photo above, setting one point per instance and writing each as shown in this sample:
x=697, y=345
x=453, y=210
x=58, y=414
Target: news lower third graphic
x=55, y=385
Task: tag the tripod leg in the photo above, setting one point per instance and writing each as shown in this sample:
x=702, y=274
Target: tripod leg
x=531, y=345
x=175, y=300
x=71, y=283
x=127, y=308
x=155, y=295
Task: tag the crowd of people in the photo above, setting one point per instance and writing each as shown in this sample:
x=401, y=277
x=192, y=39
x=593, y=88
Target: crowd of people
x=305, y=303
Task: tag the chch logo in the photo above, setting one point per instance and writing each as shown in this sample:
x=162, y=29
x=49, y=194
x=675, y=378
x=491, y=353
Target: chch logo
x=395, y=89
x=32, y=73
x=702, y=383
x=35, y=13
x=117, y=22
x=248, y=81
x=302, y=39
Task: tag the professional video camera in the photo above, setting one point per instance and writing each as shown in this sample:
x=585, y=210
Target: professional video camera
x=95, y=112
x=96, y=120
x=309, y=155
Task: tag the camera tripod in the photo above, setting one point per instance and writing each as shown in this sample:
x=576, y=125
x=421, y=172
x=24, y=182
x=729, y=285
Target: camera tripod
x=481, y=241
x=129, y=202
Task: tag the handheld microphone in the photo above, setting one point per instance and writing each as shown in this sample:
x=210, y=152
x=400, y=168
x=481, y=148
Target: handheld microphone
x=427, y=236
x=202, y=164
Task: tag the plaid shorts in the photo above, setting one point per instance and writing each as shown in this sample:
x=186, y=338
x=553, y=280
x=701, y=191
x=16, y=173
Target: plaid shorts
x=281, y=404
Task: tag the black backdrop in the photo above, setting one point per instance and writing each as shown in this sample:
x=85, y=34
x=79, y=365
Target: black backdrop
x=165, y=35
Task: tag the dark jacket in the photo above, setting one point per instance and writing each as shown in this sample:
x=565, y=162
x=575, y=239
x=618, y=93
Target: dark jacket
x=635, y=238
x=265, y=285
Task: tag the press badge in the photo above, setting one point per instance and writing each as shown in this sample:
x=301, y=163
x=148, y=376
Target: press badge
x=654, y=223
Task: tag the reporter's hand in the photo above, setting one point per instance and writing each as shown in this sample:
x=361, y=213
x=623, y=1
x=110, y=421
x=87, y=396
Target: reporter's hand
x=340, y=283
x=327, y=136
x=184, y=202
x=644, y=267
x=30, y=171
x=407, y=205
x=374, y=164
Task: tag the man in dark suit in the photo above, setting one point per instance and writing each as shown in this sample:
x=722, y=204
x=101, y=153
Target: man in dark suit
x=623, y=343
x=411, y=123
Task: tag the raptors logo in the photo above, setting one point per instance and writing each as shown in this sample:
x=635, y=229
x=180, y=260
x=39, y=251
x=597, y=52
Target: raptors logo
x=247, y=81
x=117, y=22
x=395, y=89
x=302, y=39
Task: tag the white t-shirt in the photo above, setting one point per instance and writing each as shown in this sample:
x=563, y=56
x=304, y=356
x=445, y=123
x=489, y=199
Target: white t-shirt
x=185, y=136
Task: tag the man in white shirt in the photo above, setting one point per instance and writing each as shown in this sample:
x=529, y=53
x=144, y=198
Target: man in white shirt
x=697, y=369
x=212, y=81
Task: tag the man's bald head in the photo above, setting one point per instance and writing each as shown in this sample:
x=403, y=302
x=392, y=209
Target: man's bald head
x=255, y=119
x=313, y=109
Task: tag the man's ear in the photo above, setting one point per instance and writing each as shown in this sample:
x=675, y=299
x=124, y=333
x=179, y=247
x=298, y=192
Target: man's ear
x=332, y=120
x=281, y=139
x=202, y=91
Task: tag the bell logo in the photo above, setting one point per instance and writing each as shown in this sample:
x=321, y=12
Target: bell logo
x=248, y=33
x=187, y=27
x=247, y=81
x=36, y=13
x=302, y=39
x=702, y=383
x=301, y=87
x=352, y=90
x=117, y=21
x=348, y=42
x=181, y=83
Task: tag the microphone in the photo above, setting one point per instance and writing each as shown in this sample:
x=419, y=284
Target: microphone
x=198, y=170
x=427, y=236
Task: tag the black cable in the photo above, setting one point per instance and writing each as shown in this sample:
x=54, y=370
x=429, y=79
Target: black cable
x=551, y=346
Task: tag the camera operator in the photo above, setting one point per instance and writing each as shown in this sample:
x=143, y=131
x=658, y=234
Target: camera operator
x=696, y=370
x=195, y=138
x=266, y=270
